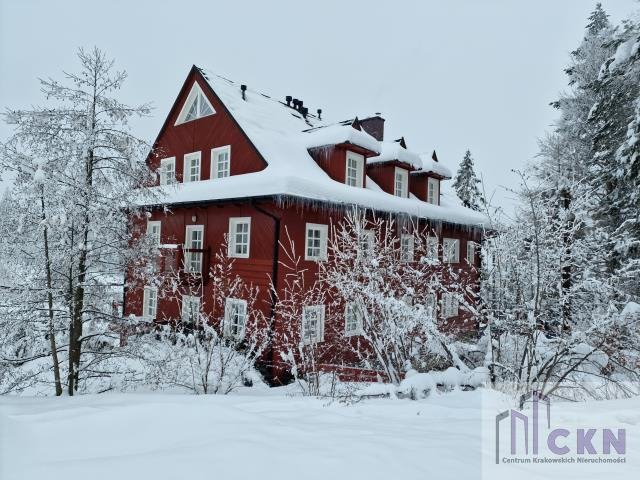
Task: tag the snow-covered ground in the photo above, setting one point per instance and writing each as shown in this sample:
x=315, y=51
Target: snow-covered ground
x=269, y=435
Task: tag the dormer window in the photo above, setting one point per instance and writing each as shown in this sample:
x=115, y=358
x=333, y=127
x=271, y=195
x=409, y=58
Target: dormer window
x=401, y=183
x=433, y=191
x=196, y=106
x=355, y=170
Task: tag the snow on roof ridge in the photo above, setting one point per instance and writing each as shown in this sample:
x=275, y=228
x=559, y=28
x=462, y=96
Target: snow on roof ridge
x=430, y=165
x=277, y=131
x=394, y=151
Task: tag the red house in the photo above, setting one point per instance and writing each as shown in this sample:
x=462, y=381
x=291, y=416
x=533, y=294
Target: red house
x=232, y=160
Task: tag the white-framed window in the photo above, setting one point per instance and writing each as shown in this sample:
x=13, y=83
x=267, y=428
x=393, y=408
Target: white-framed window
x=190, y=308
x=239, y=236
x=433, y=191
x=432, y=248
x=194, y=240
x=401, y=183
x=150, y=302
x=196, y=106
x=449, y=305
x=354, y=174
x=221, y=162
x=366, y=239
x=471, y=252
x=312, y=328
x=153, y=231
x=235, y=318
x=315, y=242
x=406, y=248
x=431, y=303
x=451, y=250
x=353, y=319
x=191, y=171
x=168, y=171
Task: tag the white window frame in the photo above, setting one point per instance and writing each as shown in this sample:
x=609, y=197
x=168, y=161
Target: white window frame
x=401, y=174
x=432, y=248
x=235, y=307
x=305, y=335
x=353, y=319
x=433, y=191
x=449, y=246
x=233, y=224
x=150, y=301
x=216, y=172
x=189, y=302
x=195, y=94
x=358, y=179
x=324, y=230
x=191, y=257
x=154, y=236
x=471, y=252
x=432, y=303
x=189, y=159
x=450, y=305
x=166, y=179
x=407, y=247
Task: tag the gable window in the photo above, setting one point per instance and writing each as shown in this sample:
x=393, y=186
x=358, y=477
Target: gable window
x=194, y=240
x=221, y=162
x=353, y=319
x=239, y=236
x=196, y=106
x=432, y=248
x=191, y=167
x=433, y=191
x=316, y=242
x=471, y=252
x=406, y=248
x=355, y=169
x=235, y=318
x=312, y=323
x=190, y=308
x=401, y=183
x=451, y=250
x=153, y=232
x=168, y=171
x=366, y=240
x=449, y=305
x=150, y=302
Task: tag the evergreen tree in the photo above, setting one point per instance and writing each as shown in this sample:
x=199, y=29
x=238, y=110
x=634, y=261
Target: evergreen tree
x=466, y=184
x=616, y=157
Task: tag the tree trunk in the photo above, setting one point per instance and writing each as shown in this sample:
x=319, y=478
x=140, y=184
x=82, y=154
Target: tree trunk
x=52, y=331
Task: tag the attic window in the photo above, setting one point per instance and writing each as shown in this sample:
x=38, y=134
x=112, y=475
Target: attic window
x=196, y=106
x=401, y=183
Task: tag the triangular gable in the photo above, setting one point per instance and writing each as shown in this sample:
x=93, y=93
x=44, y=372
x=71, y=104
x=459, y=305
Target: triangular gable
x=196, y=106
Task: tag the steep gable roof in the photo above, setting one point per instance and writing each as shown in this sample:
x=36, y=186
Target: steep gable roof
x=283, y=137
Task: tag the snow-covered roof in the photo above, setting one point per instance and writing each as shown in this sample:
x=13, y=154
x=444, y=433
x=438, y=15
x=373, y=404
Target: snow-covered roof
x=394, y=151
x=429, y=165
x=283, y=138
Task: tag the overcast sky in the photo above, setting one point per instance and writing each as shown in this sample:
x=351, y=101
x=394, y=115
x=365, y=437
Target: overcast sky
x=448, y=75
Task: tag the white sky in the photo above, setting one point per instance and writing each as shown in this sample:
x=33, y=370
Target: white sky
x=452, y=74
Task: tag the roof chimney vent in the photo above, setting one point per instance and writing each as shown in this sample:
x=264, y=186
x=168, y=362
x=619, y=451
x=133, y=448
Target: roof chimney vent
x=304, y=110
x=288, y=98
x=319, y=114
x=300, y=105
x=295, y=102
x=244, y=89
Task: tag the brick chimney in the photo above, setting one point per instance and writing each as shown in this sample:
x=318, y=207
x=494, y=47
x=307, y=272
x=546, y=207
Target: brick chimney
x=374, y=126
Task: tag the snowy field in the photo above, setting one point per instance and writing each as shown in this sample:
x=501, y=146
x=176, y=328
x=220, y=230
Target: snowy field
x=269, y=435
